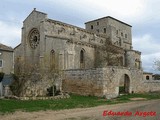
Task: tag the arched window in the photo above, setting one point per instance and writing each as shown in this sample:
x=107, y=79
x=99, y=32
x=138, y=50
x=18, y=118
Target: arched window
x=82, y=60
x=147, y=77
x=52, y=59
x=82, y=56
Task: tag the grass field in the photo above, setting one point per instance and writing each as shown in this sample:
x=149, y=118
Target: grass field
x=75, y=101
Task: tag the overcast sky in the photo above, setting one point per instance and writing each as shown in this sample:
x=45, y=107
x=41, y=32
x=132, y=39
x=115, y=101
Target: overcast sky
x=143, y=15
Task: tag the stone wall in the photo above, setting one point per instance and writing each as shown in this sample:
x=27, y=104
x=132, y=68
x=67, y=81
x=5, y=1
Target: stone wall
x=149, y=86
x=7, y=62
x=118, y=32
x=106, y=81
x=84, y=82
x=38, y=84
x=100, y=81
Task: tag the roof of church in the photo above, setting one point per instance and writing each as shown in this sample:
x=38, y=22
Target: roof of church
x=69, y=25
x=34, y=10
x=5, y=48
x=110, y=18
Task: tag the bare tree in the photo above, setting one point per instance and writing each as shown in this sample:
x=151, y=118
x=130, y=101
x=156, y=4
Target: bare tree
x=113, y=54
x=31, y=78
x=109, y=55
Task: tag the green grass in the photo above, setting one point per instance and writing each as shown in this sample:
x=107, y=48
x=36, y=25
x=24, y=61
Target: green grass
x=75, y=101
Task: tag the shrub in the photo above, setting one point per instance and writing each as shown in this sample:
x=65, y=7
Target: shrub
x=121, y=89
x=17, y=85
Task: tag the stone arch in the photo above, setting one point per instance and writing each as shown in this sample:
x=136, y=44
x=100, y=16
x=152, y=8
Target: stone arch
x=124, y=83
x=82, y=58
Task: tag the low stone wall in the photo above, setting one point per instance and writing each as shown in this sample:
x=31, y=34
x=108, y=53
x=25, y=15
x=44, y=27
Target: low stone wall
x=84, y=82
x=38, y=98
x=150, y=86
x=102, y=82
x=105, y=82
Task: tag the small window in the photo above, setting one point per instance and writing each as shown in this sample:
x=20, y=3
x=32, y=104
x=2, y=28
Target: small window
x=122, y=34
x=104, y=30
x=1, y=63
x=82, y=59
x=147, y=77
x=82, y=56
x=97, y=23
x=125, y=35
x=91, y=26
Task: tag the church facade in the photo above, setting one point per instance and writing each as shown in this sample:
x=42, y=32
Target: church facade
x=95, y=60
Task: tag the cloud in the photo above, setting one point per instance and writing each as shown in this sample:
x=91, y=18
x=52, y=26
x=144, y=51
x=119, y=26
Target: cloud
x=148, y=62
x=125, y=10
x=146, y=44
x=10, y=34
x=150, y=51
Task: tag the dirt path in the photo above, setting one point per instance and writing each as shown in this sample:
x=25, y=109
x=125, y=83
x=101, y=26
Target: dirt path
x=94, y=113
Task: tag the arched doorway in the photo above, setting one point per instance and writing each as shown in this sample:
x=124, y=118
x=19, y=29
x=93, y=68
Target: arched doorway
x=124, y=85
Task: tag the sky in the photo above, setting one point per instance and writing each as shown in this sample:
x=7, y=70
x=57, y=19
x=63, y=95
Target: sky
x=143, y=15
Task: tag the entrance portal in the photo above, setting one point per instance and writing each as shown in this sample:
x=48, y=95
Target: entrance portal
x=124, y=84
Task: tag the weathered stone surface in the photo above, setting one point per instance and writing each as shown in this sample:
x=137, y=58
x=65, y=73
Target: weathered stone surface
x=108, y=84
x=79, y=53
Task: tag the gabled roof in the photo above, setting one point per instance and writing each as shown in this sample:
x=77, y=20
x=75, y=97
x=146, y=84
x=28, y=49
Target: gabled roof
x=5, y=48
x=34, y=10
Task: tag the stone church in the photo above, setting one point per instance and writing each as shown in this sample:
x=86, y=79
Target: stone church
x=96, y=60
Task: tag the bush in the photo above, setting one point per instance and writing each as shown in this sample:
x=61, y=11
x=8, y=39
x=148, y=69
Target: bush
x=17, y=85
x=121, y=89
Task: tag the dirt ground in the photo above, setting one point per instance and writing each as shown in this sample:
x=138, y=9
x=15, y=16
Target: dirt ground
x=94, y=113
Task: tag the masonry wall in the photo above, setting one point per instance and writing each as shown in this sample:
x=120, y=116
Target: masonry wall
x=7, y=62
x=102, y=81
x=32, y=56
x=118, y=32
x=149, y=86
x=84, y=82
x=68, y=41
